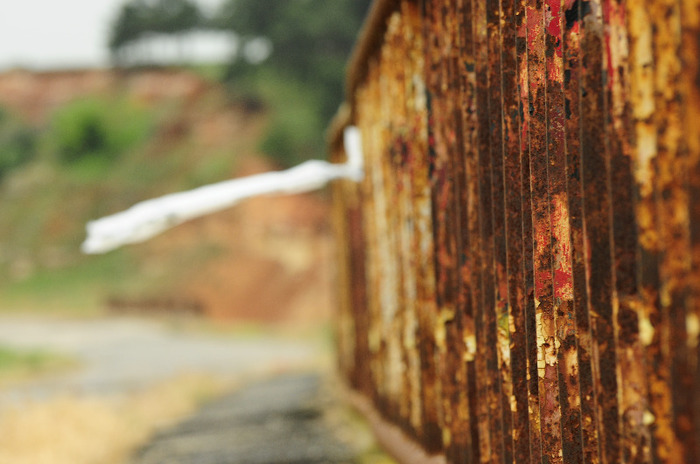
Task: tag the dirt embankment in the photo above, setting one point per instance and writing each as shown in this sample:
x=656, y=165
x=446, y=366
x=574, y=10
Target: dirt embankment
x=36, y=95
x=272, y=261
x=268, y=259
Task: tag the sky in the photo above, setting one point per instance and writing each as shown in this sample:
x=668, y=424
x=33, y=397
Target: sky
x=55, y=34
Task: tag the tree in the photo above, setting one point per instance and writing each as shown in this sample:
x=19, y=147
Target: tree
x=174, y=16
x=311, y=43
x=130, y=25
x=139, y=18
x=311, y=39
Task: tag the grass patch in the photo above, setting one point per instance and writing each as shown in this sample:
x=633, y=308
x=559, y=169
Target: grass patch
x=76, y=289
x=18, y=365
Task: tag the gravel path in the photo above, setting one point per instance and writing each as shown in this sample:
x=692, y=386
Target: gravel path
x=275, y=421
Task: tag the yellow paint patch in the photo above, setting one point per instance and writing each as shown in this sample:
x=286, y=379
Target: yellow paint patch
x=648, y=418
x=646, y=331
x=692, y=327
x=445, y=316
x=470, y=344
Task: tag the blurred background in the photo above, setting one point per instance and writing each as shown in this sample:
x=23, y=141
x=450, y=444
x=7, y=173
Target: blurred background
x=103, y=104
x=106, y=103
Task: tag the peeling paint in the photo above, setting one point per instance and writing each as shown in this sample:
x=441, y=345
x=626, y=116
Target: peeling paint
x=692, y=327
x=646, y=331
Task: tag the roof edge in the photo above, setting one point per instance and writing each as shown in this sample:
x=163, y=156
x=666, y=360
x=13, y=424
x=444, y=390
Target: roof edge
x=334, y=133
x=369, y=41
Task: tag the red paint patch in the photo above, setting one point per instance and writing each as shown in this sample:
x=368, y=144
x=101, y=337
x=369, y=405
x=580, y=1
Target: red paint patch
x=553, y=20
x=614, y=18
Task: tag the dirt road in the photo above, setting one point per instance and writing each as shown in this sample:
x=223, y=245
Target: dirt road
x=120, y=355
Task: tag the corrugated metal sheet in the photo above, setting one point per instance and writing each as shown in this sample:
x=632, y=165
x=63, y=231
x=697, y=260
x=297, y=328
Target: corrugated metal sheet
x=521, y=270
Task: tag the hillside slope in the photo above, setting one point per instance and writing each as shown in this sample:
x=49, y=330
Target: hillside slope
x=267, y=259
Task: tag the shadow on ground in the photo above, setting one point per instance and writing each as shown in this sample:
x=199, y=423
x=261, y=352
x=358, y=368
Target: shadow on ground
x=278, y=420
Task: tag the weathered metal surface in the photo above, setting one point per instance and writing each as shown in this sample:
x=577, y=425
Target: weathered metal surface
x=520, y=269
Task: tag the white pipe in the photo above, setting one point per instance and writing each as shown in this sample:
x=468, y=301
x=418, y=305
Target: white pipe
x=151, y=217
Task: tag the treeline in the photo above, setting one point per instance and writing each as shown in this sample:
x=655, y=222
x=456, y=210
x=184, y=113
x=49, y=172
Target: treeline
x=307, y=44
x=139, y=19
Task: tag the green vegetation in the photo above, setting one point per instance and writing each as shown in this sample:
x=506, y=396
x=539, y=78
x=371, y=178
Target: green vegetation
x=97, y=129
x=16, y=365
x=311, y=42
x=78, y=288
x=64, y=175
x=95, y=156
x=83, y=286
x=293, y=133
x=139, y=18
x=17, y=143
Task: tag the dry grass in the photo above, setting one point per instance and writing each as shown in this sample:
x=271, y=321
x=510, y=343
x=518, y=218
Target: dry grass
x=75, y=430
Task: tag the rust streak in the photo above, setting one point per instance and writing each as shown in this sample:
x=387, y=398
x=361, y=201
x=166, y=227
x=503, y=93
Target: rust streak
x=512, y=46
x=579, y=303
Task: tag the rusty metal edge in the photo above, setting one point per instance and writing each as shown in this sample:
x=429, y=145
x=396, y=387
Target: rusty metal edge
x=334, y=132
x=390, y=437
x=370, y=40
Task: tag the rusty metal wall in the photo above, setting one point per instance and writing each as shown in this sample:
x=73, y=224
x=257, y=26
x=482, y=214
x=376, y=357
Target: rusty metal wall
x=521, y=265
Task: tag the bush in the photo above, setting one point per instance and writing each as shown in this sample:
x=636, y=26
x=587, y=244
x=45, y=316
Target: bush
x=97, y=129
